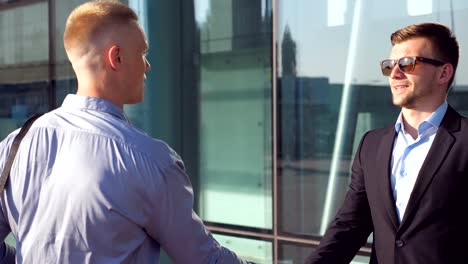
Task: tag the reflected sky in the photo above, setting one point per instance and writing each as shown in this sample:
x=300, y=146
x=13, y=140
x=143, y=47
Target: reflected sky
x=322, y=32
x=202, y=10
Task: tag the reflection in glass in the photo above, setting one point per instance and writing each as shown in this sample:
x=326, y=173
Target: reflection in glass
x=235, y=116
x=257, y=251
x=65, y=81
x=292, y=253
x=24, y=64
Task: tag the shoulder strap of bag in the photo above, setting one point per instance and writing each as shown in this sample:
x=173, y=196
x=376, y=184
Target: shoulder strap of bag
x=13, y=150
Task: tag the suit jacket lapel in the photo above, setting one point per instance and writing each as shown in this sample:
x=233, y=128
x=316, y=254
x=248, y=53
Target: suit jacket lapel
x=383, y=161
x=443, y=142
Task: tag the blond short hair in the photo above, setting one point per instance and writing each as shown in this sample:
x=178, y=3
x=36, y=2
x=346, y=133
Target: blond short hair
x=87, y=21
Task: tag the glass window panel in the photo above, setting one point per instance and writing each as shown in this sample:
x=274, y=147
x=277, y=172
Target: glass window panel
x=235, y=116
x=331, y=91
x=24, y=35
x=24, y=67
x=360, y=259
x=10, y=240
x=291, y=253
x=64, y=76
x=258, y=251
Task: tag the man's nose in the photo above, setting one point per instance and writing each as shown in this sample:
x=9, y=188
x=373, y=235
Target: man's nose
x=396, y=73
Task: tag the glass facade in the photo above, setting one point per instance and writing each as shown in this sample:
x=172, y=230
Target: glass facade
x=265, y=100
x=235, y=112
x=24, y=71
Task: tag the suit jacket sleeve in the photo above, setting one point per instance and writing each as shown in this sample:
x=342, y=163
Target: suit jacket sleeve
x=352, y=225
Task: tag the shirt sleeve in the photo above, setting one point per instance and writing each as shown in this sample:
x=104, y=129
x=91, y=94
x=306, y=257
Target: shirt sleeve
x=7, y=252
x=175, y=225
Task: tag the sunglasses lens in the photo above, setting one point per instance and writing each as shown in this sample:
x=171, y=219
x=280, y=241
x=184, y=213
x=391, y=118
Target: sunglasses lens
x=406, y=64
x=387, y=67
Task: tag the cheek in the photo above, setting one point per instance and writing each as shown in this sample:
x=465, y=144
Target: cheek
x=422, y=85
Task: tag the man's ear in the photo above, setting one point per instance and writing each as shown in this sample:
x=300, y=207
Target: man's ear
x=114, y=57
x=446, y=73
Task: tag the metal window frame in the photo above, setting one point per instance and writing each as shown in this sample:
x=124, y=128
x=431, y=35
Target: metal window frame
x=18, y=3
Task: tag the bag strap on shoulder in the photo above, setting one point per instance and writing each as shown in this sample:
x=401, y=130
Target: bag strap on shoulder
x=13, y=150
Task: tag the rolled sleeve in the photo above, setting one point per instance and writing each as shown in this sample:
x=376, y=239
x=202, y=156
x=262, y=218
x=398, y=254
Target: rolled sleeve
x=175, y=225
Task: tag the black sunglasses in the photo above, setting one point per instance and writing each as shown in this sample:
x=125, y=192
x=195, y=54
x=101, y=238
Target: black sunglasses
x=406, y=64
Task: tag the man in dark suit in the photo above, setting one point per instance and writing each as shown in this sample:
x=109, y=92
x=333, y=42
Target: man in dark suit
x=409, y=182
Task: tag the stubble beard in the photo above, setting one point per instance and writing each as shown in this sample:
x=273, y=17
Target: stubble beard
x=404, y=101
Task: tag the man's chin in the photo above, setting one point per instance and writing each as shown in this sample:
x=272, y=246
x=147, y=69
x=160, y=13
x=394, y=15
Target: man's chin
x=399, y=101
x=135, y=101
x=403, y=104
x=396, y=102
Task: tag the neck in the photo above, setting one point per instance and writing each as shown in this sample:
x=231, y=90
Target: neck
x=91, y=89
x=412, y=118
x=94, y=77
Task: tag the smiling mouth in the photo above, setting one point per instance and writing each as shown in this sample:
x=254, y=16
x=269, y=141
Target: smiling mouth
x=399, y=86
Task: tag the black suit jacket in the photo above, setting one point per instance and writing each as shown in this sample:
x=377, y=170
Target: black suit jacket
x=434, y=228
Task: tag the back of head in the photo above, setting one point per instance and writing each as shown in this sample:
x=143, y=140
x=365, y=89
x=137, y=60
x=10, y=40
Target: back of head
x=443, y=40
x=88, y=21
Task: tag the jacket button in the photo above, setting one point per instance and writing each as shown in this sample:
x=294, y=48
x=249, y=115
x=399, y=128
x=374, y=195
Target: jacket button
x=399, y=243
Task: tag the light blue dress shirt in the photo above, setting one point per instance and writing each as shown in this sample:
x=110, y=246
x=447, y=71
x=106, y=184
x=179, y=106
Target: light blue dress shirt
x=88, y=187
x=409, y=154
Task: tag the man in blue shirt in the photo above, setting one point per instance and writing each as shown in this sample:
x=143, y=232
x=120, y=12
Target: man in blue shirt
x=87, y=186
x=409, y=179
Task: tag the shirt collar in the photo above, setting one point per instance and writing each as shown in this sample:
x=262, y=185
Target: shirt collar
x=433, y=120
x=93, y=103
